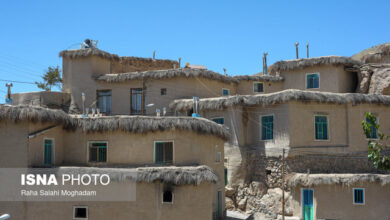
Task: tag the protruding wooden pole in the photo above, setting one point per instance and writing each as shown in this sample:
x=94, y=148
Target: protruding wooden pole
x=283, y=185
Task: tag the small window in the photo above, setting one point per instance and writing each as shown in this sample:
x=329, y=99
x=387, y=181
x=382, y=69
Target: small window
x=168, y=196
x=258, y=87
x=225, y=92
x=373, y=133
x=104, y=101
x=321, y=127
x=163, y=91
x=220, y=121
x=268, y=172
x=313, y=81
x=226, y=175
x=164, y=153
x=98, y=152
x=267, y=127
x=80, y=212
x=48, y=152
x=218, y=155
x=358, y=196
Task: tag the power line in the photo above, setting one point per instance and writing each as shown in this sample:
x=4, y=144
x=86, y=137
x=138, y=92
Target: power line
x=13, y=81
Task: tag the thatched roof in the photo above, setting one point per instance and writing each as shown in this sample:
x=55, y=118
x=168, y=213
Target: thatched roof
x=280, y=97
x=303, y=179
x=165, y=74
x=133, y=124
x=373, y=54
x=78, y=53
x=144, y=124
x=34, y=114
x=185, y=175
x=309, y=62
x=266, y=78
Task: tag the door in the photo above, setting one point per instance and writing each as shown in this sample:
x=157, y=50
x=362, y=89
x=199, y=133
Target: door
x=219, y=208
x=136, y=101
x=308, y=212
x=48, y=152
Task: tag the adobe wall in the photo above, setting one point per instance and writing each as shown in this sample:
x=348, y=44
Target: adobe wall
x=136, y=64
x=245, y=87
x=56, y=100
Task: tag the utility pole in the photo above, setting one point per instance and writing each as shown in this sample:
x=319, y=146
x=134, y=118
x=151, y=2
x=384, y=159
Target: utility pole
x=283, y=185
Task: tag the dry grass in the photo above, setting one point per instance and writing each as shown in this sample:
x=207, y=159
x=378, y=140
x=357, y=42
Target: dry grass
x=280, y=97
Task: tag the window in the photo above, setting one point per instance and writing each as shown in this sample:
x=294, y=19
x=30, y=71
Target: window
x=313, y=81
x=163, y=91
x=218, y=155
x=267, y=127
x=163, y=153
x=48, y=151
x=104, y=101
x=373, y=133
x=225, y=92
x=168, y=196
x=220, y=121
x=226, y=175
x=258, y=87
x=358, y=196
x=321, y=127
x=80, y=212
x=136, y=101
x=98, y=152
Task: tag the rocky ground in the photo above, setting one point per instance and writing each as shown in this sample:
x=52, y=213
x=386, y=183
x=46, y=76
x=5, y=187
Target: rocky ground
x=255, y=198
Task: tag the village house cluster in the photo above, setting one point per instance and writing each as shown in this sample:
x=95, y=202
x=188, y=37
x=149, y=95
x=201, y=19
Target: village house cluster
x=201, y=142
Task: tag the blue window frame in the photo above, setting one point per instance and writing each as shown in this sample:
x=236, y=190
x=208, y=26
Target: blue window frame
x=321, y=127
x=220, y=121
x=98, y=152
x=358, y=196
x=373, y=133
x=48, y=151
x=267, y=127
x=313, y=81
x=258, y=87
x=308, y=210
x=225, y=92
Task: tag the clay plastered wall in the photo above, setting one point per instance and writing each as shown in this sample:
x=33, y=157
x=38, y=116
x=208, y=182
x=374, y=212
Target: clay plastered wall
x=44, y=98
x=190, y=202
x=332, y=79
x=176, y=88
x=336, y=202
x=245, y=87
x=14, y=144
x=131, y=64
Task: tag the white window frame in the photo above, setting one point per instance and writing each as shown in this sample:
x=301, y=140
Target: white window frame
x=53, y=153
x=88, y=142
x=227, y=90
x=319, y=80
x=261, y=127
x=254, y=87
x=173, y=150
x=74, y=211
x=162, y=198
x=327, y=127
x=364, y=196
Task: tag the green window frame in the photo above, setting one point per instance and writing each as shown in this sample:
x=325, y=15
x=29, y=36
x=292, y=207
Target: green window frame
x=225, y=92
x=321, y=127
x=358, y=196
x=48, y=151
x=220, y=121
x=97, y=152
x=313, y=81
x=163, y=153
x=373, y=133
x=258, y=87
x=267, y=127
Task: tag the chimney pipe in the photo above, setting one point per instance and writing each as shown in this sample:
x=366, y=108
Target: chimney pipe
x=154, y=54
x=296, y=49
x=9, y=85
x=224, y=71
x=179, y=62
x=307, y=47
x=265, y=67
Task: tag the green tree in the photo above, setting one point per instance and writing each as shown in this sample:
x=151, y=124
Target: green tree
x=51, y=78
x=376, y=148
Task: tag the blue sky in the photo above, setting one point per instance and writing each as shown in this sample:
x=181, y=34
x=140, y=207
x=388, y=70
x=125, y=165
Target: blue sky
x=217, y=34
